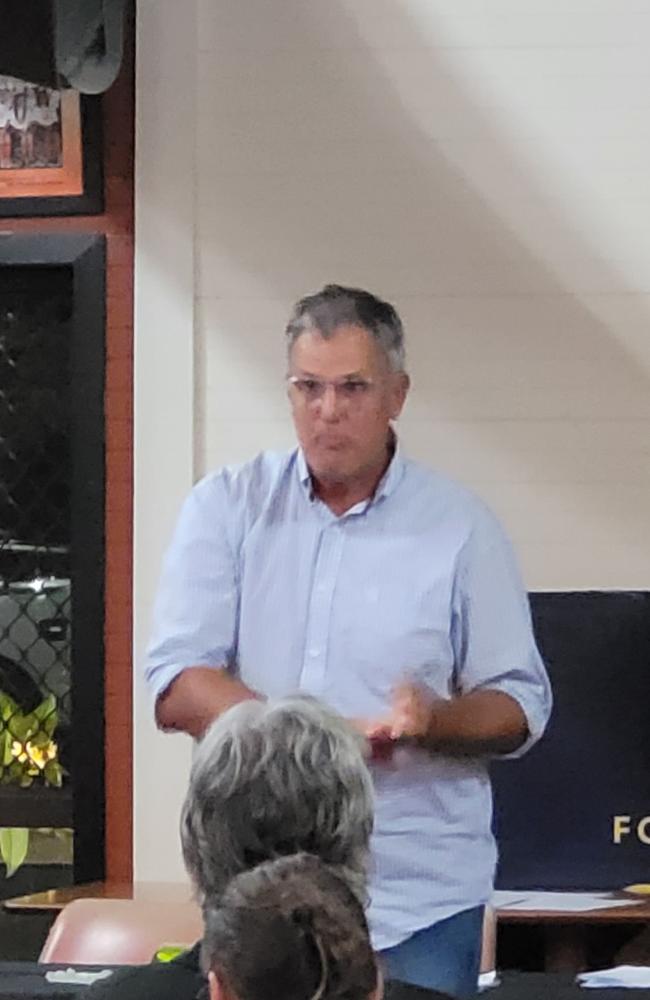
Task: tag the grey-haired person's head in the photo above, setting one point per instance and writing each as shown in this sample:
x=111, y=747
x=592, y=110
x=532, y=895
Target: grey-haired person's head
x=276, y=778
x=337, y=306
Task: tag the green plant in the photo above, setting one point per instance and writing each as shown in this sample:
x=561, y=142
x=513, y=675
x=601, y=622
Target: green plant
x=27, y=749
x=14, y=843
x=28, y=753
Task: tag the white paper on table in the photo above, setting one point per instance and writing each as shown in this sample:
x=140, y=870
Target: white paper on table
x=626, y=976
x=487, y=980
x=561, y=902
x=76, y=976
x=504, y=898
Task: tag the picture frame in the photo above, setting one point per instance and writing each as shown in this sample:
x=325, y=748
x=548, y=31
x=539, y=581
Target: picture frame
x=50, y=151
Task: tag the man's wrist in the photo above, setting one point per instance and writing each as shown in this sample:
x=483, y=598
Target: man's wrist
x=434, y=726
x=197, y=696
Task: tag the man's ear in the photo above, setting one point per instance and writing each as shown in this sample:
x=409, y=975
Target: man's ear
x=401, y=386
x=217, y=990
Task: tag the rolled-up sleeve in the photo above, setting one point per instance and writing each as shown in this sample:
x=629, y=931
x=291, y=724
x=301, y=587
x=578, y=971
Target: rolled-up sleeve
x=492, y=631
x=195, y=613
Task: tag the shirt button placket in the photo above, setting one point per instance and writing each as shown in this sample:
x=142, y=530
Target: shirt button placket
x=313, y=675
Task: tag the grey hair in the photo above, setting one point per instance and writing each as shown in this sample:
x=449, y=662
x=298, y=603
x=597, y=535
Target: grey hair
x=271, y=779
x=335, y=306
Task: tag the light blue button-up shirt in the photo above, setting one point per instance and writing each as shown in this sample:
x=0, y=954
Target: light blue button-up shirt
x=419, y=582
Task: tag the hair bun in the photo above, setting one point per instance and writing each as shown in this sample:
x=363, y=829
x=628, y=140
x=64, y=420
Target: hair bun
x=303, y=917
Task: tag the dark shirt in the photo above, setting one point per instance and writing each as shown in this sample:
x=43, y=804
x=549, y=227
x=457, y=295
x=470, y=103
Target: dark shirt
x=182, y=980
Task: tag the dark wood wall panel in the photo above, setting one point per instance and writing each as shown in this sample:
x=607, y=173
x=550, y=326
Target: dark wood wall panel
x=117, y=224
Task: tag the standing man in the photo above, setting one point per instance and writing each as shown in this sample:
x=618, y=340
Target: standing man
x=345, y=570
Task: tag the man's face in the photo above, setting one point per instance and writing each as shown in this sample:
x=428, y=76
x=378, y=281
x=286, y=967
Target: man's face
x=343, y=397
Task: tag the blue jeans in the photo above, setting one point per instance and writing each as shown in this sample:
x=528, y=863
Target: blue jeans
x=445, y=956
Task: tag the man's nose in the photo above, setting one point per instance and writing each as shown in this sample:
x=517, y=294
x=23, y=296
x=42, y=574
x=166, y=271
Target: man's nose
x=329, y=403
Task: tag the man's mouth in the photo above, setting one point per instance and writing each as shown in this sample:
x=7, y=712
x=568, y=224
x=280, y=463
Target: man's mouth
x=331, y=444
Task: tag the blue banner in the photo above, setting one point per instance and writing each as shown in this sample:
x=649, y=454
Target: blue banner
x=575, y=812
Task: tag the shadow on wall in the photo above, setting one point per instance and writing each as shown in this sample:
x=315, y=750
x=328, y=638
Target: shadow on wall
x=321, y=160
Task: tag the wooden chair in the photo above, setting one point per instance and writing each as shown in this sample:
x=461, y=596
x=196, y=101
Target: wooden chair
x=489, y=942
x=119, y=931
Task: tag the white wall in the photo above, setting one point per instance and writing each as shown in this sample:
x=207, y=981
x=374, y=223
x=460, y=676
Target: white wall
x=164, y=388
x=484, y=166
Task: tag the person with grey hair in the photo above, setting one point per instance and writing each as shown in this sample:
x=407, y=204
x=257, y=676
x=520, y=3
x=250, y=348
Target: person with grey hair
x=269, y=780
x=275, y=778
x=348, y=571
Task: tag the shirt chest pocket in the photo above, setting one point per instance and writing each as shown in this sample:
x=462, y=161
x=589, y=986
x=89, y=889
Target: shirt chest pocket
x=396, y=628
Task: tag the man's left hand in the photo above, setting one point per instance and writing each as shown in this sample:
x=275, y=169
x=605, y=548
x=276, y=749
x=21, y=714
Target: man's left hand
x=412, y=712
x=477, y=723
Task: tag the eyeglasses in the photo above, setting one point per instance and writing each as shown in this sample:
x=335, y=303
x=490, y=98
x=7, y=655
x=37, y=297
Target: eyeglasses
x=351, y=391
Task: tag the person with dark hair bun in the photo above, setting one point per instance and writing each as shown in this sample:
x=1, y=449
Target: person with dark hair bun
x=293, y=929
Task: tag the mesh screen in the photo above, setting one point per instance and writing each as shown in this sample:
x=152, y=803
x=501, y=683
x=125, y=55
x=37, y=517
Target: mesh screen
x=35, y=590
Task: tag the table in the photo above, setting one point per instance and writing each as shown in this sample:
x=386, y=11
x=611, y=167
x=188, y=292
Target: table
x=56, y=899
x=565, y=934
x=554, y=986
x=26, y=981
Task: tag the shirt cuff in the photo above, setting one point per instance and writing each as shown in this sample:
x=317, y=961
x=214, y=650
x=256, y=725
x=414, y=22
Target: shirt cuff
x=160, y=677
x=536, y=706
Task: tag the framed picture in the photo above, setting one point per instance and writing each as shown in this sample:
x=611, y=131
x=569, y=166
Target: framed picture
x=50, y=151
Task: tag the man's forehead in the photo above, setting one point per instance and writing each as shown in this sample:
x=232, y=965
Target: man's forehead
x=344, y=377
x=350, y=350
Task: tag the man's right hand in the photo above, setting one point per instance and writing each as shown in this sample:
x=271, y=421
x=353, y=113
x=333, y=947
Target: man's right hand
x=197, y=696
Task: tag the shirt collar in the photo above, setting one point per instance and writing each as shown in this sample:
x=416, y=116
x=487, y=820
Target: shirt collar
x=387, y=484
x=393, y=474
x=303, y=470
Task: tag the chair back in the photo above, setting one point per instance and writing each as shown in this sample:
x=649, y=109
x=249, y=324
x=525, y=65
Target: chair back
x=489, y=941
x=120, y=931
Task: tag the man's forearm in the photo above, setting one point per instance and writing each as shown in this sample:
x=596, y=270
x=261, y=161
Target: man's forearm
x=481, y=722
x=197, y=696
